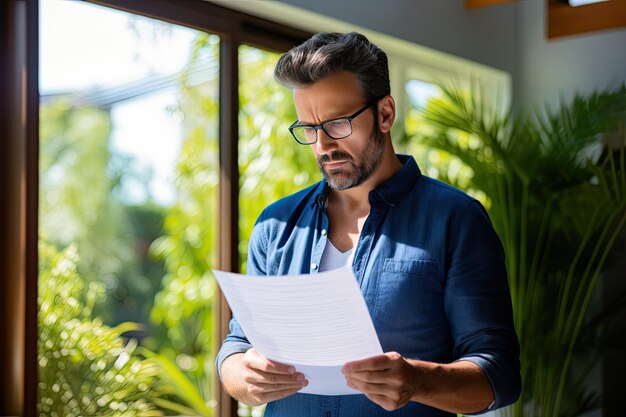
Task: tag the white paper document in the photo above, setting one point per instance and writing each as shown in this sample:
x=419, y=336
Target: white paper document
x=316, y=323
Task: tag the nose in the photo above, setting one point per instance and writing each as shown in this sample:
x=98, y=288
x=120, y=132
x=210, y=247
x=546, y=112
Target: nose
x=325, y=144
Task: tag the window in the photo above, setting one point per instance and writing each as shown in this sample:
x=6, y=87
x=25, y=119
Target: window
x=271, y=164
x=129, y=172
x=137, y=175
x=434, y=161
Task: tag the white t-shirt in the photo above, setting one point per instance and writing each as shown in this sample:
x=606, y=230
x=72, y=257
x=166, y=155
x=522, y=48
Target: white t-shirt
x=333, y=258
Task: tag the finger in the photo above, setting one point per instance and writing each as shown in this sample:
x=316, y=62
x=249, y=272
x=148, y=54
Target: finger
x=267, y=396
x=374, y=363
x=368, y=387
x=262, y=388
x=385, y=402
x=278, y=387
x=383, y=393
x=255, y=376
x=378, y=377
x=254, y=359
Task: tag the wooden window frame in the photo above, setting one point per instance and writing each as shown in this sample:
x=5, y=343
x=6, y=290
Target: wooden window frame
x=19, y=160
x=19, y=174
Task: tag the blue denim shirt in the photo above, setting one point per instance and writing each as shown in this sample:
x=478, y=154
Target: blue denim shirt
x=431, y=270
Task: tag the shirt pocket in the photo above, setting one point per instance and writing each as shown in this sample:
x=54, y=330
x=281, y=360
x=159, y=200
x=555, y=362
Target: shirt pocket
x=409, y=297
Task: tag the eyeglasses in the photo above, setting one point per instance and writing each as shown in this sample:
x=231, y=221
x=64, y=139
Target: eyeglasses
x=338, y=128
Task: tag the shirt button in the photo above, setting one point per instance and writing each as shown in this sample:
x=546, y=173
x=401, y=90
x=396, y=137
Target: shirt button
x=314, y=266
x=324, y=232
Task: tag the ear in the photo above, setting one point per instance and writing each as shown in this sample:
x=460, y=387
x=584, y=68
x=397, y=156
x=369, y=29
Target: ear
x=386, y=113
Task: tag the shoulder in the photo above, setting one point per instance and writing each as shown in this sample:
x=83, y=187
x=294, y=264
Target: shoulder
x=449, y=204
x=440, y=194
x=294, y=204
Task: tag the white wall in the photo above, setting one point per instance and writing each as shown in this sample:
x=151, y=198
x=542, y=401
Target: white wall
x=511, y=37
x=456, y=51
x=484, y=35
x=547, y=69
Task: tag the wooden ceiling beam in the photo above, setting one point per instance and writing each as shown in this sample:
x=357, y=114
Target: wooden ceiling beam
x=564, y=20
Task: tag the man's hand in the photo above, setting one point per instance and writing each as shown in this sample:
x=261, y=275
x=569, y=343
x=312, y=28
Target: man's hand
x=391, y=381
x=388, y=380
x=254, y=380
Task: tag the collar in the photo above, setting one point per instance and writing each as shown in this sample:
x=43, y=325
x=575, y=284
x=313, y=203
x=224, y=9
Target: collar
x=389, y=192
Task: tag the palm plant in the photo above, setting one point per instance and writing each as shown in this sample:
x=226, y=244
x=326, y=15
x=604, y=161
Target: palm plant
x=179, y=391
x=556, y=193
x=86, y=368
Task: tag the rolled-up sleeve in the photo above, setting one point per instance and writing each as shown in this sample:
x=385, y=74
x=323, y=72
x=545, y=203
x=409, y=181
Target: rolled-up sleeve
x=236, y=341
x=478, y=305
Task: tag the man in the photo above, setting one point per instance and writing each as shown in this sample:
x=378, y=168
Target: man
x=425, y=255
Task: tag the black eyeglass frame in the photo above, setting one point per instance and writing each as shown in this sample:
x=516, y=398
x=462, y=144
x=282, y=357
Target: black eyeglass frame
x=321, y=125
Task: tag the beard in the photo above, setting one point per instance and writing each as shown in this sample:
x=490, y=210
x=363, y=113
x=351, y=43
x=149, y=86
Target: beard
x=358, y=170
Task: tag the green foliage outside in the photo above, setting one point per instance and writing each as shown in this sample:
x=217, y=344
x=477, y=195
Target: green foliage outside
x=271, y=164
x=74, y=158
x=85, y=367
x=183, y=307
x=87, y=363
x=80, y=204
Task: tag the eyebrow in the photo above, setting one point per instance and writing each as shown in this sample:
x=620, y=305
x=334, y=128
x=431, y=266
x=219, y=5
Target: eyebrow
x=303, y=123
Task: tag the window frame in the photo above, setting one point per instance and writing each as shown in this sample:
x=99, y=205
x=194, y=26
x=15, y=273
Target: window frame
x=19, y=159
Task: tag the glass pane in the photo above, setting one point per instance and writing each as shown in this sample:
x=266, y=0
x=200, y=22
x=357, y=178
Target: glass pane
x=418, y=94
x=272, y=164
x=433, y=162
x=128, y=210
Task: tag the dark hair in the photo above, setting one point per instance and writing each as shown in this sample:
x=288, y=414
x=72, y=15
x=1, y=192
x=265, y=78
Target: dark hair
x=327, y=53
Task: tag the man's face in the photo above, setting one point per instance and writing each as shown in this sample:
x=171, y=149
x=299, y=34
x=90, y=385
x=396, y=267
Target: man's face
x=347, y=162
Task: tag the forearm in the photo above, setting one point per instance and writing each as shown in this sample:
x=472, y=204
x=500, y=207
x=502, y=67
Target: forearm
x=458, y=387
x=233, y=379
